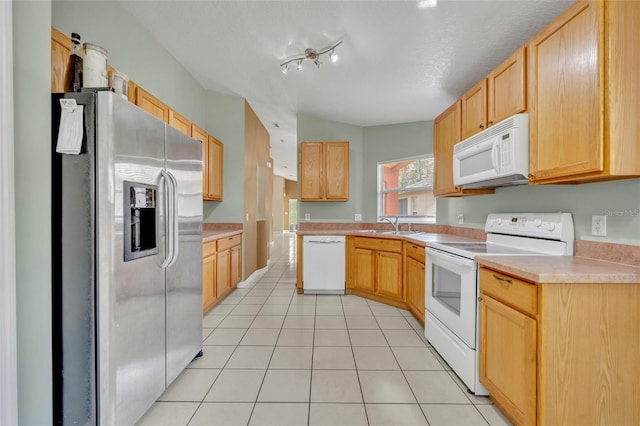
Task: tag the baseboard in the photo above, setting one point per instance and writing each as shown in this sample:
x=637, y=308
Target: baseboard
x=253, y=277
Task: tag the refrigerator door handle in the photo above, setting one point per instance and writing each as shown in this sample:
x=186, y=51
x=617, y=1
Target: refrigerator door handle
x=175, y=239
x=165, y=184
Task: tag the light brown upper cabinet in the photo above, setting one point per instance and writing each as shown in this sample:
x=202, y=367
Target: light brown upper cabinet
x=500, y=95
x=215, y=153
x=474, y=109
x=324, y=171
x=60, y=57
x=200, y=135
x=179, y=122
x=446, y=133
x=584, y=104
x=151, y=104
x=507, y=88
x=212, y=164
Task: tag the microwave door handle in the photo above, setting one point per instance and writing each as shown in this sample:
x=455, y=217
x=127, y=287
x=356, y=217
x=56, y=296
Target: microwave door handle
x=494, y=155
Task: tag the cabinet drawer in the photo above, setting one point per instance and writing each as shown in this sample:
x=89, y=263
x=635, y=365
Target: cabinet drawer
x=416, y=251
x=384, y=244
x=208, y=249
x=512, y=291
x=226, y=243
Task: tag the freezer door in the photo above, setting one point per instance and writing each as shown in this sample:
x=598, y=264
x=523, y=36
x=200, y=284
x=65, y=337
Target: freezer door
x=131, y=294
x=184, y=276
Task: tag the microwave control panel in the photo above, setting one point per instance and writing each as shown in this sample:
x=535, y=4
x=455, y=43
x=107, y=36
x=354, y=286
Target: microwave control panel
x=505, y=149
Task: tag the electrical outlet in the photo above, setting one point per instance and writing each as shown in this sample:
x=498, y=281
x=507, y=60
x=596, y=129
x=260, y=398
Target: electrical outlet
x=307, y=216
x=460, y=219
x=599, y=226
x=357, y=217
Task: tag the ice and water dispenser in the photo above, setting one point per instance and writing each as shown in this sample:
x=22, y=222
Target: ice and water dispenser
x=140, y=216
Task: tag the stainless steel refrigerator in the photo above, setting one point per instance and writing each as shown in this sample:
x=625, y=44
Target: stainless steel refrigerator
x=127, y=261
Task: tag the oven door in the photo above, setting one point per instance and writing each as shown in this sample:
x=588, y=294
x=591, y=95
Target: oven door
x=451, y=293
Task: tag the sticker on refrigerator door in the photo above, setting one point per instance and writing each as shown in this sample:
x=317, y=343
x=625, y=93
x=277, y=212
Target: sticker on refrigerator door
x=71, y=128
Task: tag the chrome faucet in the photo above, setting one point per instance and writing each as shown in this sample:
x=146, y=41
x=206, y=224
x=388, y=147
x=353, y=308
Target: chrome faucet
x=394, y=224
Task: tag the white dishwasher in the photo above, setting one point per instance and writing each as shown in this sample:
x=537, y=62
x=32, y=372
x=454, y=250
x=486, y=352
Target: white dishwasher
x=323, y=264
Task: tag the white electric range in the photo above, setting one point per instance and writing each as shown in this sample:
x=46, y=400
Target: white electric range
x=452, y=287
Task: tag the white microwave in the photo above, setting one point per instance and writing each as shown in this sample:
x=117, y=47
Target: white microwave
x=497, y=156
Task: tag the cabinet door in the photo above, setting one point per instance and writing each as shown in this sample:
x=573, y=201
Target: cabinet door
x=446, y=129
x=415, y=282
x=474, y=109
x=364, y=276
x=179, y=122
x=336, y=170
x=508, y=359
x=200, y=135
x=223, y=273
x=216, y=172
x=236, y=265
x=60, y=57
x=566, y=94
x=389, y=275
x=507, y=88
x=208, y=282
x=151, y=104
x=311, y=171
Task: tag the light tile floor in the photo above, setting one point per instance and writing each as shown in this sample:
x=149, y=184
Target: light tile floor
x=273, y=357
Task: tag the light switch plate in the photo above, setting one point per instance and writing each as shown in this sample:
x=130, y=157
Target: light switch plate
x=599, y=226
x=460, y=219
x=357, y=217
x=307, y=216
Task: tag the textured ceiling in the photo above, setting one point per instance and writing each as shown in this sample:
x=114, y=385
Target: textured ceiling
x=397, y=63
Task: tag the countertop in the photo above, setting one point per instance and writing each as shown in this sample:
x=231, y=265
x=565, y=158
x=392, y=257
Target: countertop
x=421, y=237
x=218, y=234
x=562, y=269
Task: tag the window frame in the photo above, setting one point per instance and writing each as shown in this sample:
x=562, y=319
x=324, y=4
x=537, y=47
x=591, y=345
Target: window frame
x=380, y=192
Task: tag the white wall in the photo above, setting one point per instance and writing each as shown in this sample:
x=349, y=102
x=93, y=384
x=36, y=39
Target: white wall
x=618, y=200
x=32, y=142
x=8, y=341
x=278, y=204
x=225, y=118
x=387, y=143
x=316, y=129
x=134, y=51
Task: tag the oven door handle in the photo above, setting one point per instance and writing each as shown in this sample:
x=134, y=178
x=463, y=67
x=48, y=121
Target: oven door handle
x=445, y=259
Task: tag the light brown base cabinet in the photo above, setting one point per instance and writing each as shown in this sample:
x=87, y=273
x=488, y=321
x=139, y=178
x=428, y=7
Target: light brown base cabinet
x=414, y=278
x=221, y=269
x=560, y=354
x=375, y=269
x=208, y=276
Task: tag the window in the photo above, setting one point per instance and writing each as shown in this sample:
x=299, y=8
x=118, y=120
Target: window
x=405, y=189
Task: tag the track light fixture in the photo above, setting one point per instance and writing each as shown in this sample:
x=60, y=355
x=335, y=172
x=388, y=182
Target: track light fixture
x=311, y=54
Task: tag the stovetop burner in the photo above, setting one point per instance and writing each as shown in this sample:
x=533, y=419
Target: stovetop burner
x=488, y=248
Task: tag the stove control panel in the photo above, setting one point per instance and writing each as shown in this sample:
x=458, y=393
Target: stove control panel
x=555, y=226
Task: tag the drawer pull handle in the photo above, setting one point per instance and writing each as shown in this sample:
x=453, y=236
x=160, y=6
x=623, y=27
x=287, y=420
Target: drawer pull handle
x=503, y=281
x=480, y=299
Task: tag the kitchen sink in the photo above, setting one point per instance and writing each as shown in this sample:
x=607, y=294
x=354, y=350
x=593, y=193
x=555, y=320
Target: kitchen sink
x=401, y=232
x=386, y=232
